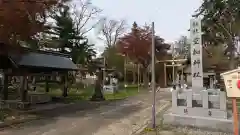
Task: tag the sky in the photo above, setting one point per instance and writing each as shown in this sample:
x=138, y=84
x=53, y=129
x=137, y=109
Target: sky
x=171, y=17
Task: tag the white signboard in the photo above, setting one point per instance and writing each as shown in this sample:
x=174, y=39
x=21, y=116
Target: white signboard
x=196, y=53
x=231, y=79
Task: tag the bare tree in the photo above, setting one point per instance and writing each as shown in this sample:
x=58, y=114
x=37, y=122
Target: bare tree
x=85, y=16
x=111, y=30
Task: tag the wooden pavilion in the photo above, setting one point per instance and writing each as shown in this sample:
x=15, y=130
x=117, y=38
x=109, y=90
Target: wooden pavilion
x=24, y=62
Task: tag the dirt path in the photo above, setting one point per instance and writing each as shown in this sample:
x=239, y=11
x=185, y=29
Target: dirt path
x=118, y=118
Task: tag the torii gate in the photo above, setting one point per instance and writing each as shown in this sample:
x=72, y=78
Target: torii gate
x=173, y=65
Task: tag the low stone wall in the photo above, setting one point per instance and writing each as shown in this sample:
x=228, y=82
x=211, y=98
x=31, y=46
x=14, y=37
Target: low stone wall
x=14, y=104
x=37, y=98
x=33, y=98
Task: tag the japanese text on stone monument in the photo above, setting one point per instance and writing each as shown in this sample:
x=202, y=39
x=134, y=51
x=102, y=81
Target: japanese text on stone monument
x=196, y=53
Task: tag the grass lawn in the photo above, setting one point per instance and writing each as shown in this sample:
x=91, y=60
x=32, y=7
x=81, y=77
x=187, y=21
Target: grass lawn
x=122, y=93
x=4, y=113
x=77, y=94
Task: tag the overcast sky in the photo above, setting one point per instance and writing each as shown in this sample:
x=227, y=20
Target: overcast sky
x=171, y=17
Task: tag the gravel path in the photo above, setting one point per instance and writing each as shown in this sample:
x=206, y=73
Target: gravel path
x=116, y=118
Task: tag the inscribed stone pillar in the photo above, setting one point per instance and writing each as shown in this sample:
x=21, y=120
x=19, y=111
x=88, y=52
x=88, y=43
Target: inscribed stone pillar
x=196, y=54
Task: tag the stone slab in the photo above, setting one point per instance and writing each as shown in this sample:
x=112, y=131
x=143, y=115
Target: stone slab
x=219, y=124
x=38, y=98
x=199, y=111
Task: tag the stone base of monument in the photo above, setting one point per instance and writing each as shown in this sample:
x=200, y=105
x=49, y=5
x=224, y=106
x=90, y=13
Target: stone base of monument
x=209, y=123
x=205, y=109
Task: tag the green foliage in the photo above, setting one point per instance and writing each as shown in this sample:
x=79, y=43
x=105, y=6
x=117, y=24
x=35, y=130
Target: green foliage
x=114, y=59
x=64, y=30
x=213, y=55
x=83, y=53
x=3, y=114
x=122, y=94
x=220, y=20
x=78, y=94
x=183, y=46
x=68, y=40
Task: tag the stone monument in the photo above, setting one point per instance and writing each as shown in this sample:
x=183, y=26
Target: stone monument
x=198, y=106
x=112, y=87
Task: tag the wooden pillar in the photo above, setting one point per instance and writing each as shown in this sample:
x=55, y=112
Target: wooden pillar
x=65, y=87
x=47, y=84
x=34, y=83
x=23, y=88
x=138, y=76
x=5, y=86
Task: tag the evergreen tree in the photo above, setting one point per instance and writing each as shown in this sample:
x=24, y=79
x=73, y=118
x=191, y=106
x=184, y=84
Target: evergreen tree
x=221, y=25
x=68, y=40
x=64, y=32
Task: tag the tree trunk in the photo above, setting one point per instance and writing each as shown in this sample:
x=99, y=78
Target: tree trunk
x=145, y=78
x=232, y=63
x=232, y=52
x=47, y=84
x=161, y=80
x=98, y=95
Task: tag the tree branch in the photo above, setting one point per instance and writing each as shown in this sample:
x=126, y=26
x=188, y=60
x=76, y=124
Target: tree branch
x=111, y=30
x=83, y=12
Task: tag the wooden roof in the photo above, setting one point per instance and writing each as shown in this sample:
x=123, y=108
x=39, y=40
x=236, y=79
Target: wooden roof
x=21, y=57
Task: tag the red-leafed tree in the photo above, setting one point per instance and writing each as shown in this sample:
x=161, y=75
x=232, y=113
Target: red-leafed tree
x=21, y=20
x=137, y=46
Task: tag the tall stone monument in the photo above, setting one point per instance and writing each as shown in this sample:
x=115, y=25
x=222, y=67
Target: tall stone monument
x=198, y=106
x=196, y=54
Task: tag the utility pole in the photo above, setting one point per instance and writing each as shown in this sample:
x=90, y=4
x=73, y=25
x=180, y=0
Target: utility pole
x=153, y=79
x=138, y=67
x=173, y=66
x=125, y=68
x=125, y=72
